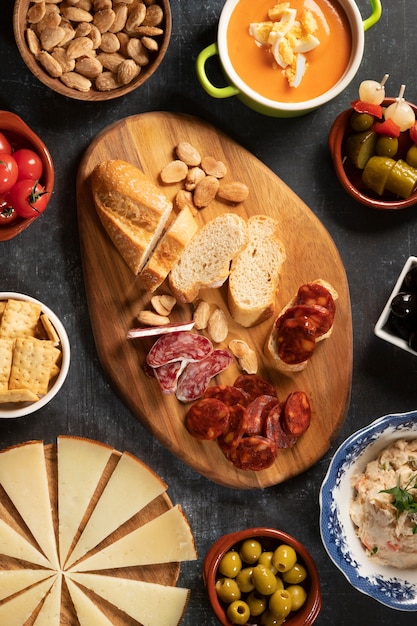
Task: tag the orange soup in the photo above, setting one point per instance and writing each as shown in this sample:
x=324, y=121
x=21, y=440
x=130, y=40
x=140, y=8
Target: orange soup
x=256, y=66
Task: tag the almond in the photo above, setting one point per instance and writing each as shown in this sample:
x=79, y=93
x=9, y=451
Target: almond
x=187, y=153
x=60, y=55
x=163, y=304
x=183, y=199
x=89, y=67
x=33, y=41
x=205, y=191
x=233, y=192
x=174, y=172
x=148, y=318
x=78, y=47
x=36, y=12
x=109, y=43
x=217, y=326
x=106, y=81
x=195, y=174
x=51, y=37
x=137, y=51
x=76, y=81
x=75, y=14
x=110, y=61
x=50, y=64
x=154, y=15
x=212, y=167
x=120, y=18
x=127, y=71
x=201, y=315
x=104, y=19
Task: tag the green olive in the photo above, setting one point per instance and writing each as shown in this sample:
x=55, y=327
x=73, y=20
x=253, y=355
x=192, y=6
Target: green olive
x=257, y=603
x=280, y=582
x=298, y=596
x=250, y=551
x=361, y=121
x=227, y=590
x=238, y=612
x=411, y=156
x=284, y=558
x=386, y=146
x=266, y=559
x=230, y=564
x=244, y=580
x=264, y=580
x=267, y=619
x=280, y=603
x=295, y=575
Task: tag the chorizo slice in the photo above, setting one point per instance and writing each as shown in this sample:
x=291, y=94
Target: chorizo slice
x=320, y=317
x=254, y=385
x=195, y=379
x=296, y=340
x=178, y=346
x=255, y=453
x=235, y=429
x=257, y=411
x=316, y=294
x=228, y=394
x=207, y=419
x=296, y=415
x=273, y=428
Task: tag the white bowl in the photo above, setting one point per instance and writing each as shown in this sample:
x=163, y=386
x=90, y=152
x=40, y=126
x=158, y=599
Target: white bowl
x=381, y=329
x=12, y=410
x=395, y=588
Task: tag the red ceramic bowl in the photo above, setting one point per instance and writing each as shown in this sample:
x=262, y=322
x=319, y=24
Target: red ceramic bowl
x=21, y=136
x=270, y=540
x=351, y=178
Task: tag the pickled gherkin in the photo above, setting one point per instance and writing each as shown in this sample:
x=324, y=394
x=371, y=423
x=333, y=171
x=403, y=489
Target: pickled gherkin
x=376, y=173
x=402, y=179
x=360, y=147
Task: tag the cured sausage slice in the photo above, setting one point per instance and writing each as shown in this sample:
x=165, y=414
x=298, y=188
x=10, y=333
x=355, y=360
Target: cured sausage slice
x=207, y=418
x=177, y=346
x=320, y=317
x=196, y=377
x=273, y=428
x=296, y=340
x=257, y=411
x=253, y=453
x=228, y=394
x=167, y=375
x=236, y=428
x=316, y=294
x=254, y=386
x=296, y=415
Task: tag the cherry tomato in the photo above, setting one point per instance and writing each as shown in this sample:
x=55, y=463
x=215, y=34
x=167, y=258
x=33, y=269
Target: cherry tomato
x=28, y=198
x=5, y=144
x=8, y=172
x=29, y=164
x=7, y=213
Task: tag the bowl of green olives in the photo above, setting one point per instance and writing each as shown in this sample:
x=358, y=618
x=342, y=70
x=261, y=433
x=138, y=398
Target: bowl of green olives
x=397, y=323
x=262, y=576
x=374, y=160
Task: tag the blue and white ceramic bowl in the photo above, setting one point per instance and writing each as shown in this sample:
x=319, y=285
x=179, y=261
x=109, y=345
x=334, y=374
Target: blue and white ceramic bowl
x=396, y=588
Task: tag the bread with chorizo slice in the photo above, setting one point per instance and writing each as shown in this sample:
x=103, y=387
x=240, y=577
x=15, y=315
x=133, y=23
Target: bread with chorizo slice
x=131, y=208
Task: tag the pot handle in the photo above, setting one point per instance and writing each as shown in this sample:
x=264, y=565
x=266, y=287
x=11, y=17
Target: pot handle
x=216, y=92
x=375, y=15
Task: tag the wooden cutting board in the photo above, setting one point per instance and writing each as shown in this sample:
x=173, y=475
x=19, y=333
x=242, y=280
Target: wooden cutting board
x=115, y=296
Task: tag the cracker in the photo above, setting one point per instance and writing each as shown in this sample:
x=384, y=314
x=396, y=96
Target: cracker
x=49, y=329
x=19, y=319
x=18, y=395
x=6, y=356
x=33, y=360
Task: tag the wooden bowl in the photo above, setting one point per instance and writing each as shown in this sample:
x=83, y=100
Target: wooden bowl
x=351, y=178
x=21, y=136
x=270, y=539
x=20, y=23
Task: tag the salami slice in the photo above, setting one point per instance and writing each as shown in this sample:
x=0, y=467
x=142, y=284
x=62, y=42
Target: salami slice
x=207, y=418
x=257, y=411
x=254, y=386
x=177, y=346
x=320, y=317
x=196, y=377
x=273, y=428
x=228, y=394
x=235, y=429
x=296, y=416
x=316, y=294
x=253, y=453
x=167, y=375
x=296, y=340
x=150, y=331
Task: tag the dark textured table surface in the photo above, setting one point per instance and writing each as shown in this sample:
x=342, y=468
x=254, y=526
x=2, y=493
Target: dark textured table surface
x=45, y=261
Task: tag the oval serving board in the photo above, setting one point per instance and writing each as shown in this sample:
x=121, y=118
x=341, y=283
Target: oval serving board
x=115, y=296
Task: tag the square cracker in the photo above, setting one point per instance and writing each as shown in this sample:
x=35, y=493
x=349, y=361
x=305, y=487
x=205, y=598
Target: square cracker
x=6, y=356
x=33, y=360
x=20, y=319
x=49, y=329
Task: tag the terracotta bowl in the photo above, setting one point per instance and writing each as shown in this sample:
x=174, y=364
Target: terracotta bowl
x=20, y=23
x=270, y=539
x=351, y=178
x=21, y=136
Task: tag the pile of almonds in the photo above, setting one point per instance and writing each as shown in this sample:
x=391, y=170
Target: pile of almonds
x=94, y=44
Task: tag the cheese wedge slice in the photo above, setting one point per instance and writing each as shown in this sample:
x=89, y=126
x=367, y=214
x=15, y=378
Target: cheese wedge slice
x=15, y=580
x=165, y=539
x=148, y=603
x=24, y=478
x=50, y=612
x=131, y=487
x=13, y=544
x=17, y=611
x=88, y=613
x=81, y=463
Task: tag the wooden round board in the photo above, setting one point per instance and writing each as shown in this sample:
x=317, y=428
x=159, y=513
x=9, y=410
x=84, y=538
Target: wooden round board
x=115, y=296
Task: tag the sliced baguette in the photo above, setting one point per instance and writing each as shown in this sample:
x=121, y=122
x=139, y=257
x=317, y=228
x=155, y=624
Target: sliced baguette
x=255, y=273
x=205, y=262
x=169, y=249
x=271, y=342
x=131, y=208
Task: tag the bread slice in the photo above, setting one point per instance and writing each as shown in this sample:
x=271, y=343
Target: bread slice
x=255, y=273
x=131, y=208
x=271, y=342
x=167, y=252
x=206, y=260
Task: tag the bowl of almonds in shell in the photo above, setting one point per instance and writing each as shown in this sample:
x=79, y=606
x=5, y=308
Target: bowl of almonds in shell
x=92, y=50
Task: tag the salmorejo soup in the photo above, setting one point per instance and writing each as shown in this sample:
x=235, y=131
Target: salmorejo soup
x=290, y=51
